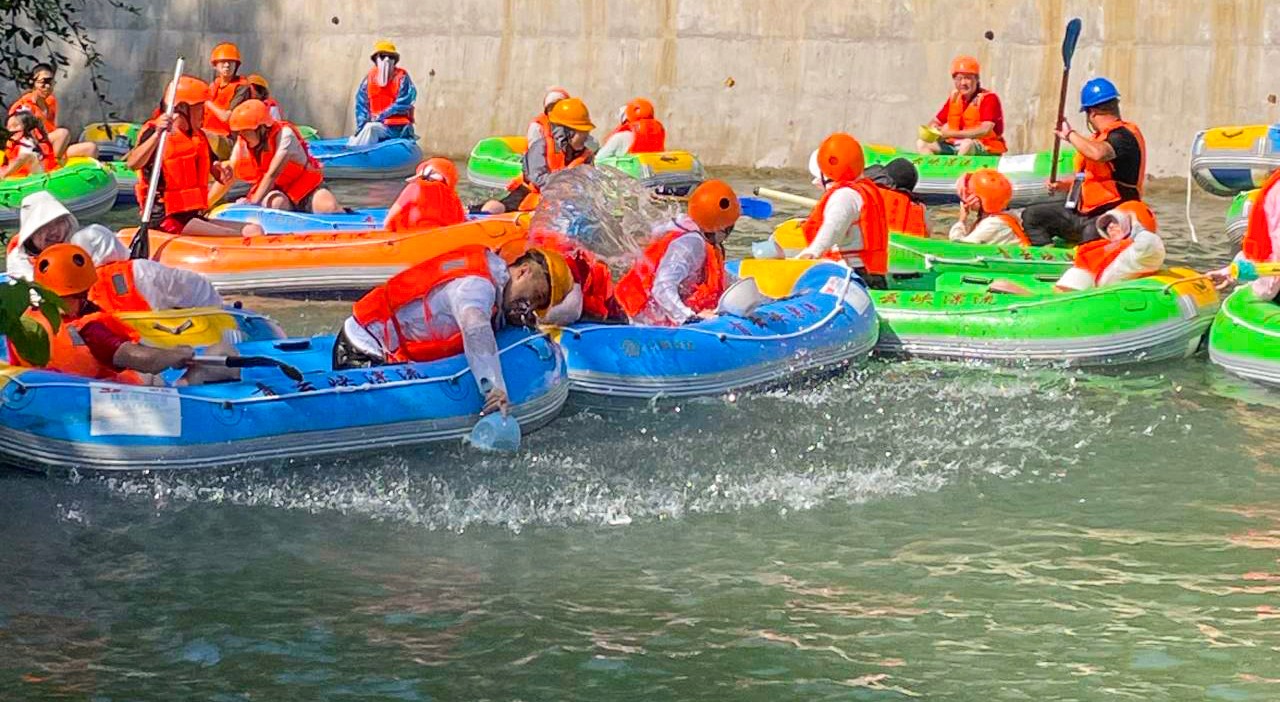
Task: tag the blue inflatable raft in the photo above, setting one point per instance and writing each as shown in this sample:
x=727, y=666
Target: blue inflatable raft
x=822, y=318
x=282, y=222
x=393, y=158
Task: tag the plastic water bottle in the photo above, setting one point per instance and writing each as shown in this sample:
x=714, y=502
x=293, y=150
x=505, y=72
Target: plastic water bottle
x=496, y=433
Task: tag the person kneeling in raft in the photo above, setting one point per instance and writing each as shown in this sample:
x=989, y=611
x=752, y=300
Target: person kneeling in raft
x=181, y=205
x=563, y=145
x=94, y=343
x=848, y=224
x=273, y=157
x=639, y=132
x=384, y=100
x=971, y=121
x=429, y=200
x=680, y=276
x=988, y=192
x=1261, y=242
x=448, y=305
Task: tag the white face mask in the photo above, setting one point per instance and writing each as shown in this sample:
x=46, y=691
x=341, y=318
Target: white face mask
x=386, y=65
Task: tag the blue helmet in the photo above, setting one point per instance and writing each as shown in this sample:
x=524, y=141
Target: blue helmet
x=1097, y=91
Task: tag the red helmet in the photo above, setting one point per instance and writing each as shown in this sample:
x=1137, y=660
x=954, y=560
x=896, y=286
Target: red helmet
x=714, y=206
x=964, y=64
x=639, y=109
x=250, y=114
x=437, y=166
x=225, y=51
x=191, y=91
x=840, y=157
x=992, y=189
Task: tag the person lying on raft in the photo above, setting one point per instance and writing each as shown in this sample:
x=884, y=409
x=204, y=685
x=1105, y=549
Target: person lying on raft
x=94, y=343
x=680, y=276
x=591, y=296
x=182, y=200
x=1261, y=241
x=27, y=150
x=971, y=121
x=451, y=304
x=384, y=100
x=639, y=132
x=273, y=158
x=848, y=222
x=260, y=89
x=429, y=200
x=564, y=145
x=41, y=103
x=988, y=193
x=1129, y=249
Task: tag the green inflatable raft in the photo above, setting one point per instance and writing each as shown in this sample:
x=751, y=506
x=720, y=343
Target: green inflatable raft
x=938, y=174
x=1238, y=215
x=83, y=185
x=495, y=162
x=1245, y=339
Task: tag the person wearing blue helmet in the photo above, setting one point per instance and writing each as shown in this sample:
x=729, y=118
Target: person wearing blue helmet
x=1110, y=167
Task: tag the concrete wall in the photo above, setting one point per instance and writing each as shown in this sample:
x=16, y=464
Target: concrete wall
x=741, y=82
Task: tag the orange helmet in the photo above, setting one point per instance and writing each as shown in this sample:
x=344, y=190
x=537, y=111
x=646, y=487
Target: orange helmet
x=992, y=189
x=250, y=114
x=714, y=206
x=1140, y=211
x=255, y=79
x=225, y=51
x=638, y=109
x=191, y=91
x=437, y=166
x=65, y=269
x=572, y=113
x=840, y=157
x=964, y=64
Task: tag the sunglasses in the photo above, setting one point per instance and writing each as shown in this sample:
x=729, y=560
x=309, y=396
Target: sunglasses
x=44, y=81
x=393, y=57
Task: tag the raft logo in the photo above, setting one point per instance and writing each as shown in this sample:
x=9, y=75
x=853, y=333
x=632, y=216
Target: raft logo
x=630, y=348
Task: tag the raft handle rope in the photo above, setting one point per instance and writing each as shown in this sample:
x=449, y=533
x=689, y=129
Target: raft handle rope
x=1191, y=154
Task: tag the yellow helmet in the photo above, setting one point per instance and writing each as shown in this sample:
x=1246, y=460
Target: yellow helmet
x=572, y=113
x=559, y=275
x=385, y=46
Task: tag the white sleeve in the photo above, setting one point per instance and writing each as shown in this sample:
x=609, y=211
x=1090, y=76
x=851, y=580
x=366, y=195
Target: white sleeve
x=102, y=244
x=534, y=133
x=18, y=264
x=617, y=145
x=167, y=288
x=683, y=260
x=1145, y=255
x=470, y=301
x=292, y=146
x=839, y=215
x=957, y=232
x=1076, y=279
x=991, y=230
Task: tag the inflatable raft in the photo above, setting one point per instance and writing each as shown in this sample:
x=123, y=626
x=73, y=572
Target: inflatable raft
x=326, y=261
x=822, y=319
x=83, y=185
x=281, y=222
x=938, y=174
x=51, y=420
x=115, y=139
x=495, y=161
x=393, y=158
x=1230, y=160
x=1238, y=215
x=127, y=181
x=1245, y=338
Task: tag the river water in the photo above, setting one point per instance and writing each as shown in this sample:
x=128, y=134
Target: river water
x=904, y=530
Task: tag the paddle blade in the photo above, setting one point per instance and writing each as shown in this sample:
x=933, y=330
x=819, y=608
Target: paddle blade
x=140, y=245
x=1069, y=41
x=264, y=362
x=755, y=207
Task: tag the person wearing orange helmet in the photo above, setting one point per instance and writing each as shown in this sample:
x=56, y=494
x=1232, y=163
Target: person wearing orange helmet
x=680, y=275
x=639, y=132
x=226, y=92
x=848, y=223
x=384, y=103
x=260, y=89
x=971, y=121
x=591, y=297
x=41, y=103
x=988, y=193
x=273, y=158
x=429, y=200
x=188, y=164
x=566, y=144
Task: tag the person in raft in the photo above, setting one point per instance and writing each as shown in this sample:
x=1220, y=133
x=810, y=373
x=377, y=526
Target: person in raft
x=563, y=145
x=40, y=102
x=429, y=200
x=904, y=211
x=43, y=222
x=639, y=132
x=540, y=126
x=181, y=205
x=971, y=121
x=451, y=304
x=227, y=91
x=591, y=296
x=1261, y=241
x=260, y=89
x=1110, y=167
x=27, y=151
x=680, y=276
x=988, y=193
x=384, y=100
x=273, y=158
x=848, y=222
x=94, y=343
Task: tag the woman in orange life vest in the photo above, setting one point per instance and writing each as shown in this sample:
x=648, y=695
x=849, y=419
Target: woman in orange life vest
x=1261, y=241
x=904, y=212
x=41, y=103
x=384, y=101
x=188, y=164
x=1110, y=166
x=848, y=223
x=273, y=157
x=540, y=126
x=429, y=200
x=971, y=121
x=639, y=132
x=450, y=305
x=27, y=150
x=260, y=89
x=565, y=145
x=988, y=192
x=680, y=276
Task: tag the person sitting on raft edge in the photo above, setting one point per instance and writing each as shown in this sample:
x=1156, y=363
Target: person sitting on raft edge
x=638, y=133
x=27, y=150
x=451, y=304
x=989, y=192
x=848, y=222
x=565, y=144
x=385, y=99
x=971, y=121
x=429, y=199
x=273, y=158
x=41, y=102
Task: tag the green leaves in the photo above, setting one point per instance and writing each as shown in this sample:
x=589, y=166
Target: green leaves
x=28, y=336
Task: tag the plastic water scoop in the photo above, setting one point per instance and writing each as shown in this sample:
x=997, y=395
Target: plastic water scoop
x=1247, y=271
x=495, y=433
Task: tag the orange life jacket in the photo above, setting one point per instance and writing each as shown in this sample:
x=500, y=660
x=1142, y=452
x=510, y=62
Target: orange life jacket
x=1015, y=224
x=649, y=136
x=590, y=273
x=635, y=289
x=28, y=102
x=431, y=204
x=961, y=116
x=874, y=254
x=1097, y=255
x=295, y=180
x=47, y=158
x=184, y=173
x=1257, y=237
x=1100, y=186
x=221, y=94
x=116, y=290
x=411, y=287
x=382, y=97
x=69, y=354
x=902, y=214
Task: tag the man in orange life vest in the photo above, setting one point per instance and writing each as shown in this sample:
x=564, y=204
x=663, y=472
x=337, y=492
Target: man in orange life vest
x=1110, y=169
x=273, y=157
x=188, y=164
x=639, y=132
x=450, y=305
x=989, y=192
x=564, y=143
x=680, y=276
x=385, y=98
x=591, y=296
x=971, y=121
x=1261, y=241
x=40, y=102
x=28, y=151
x=226, y=92
x=429, y=199
x=848, y=223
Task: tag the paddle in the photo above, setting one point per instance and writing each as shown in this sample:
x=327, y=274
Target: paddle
x=1068, y=50
x=789, y=198
x=755, y=208
x=250, y=362
x=140, y=246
